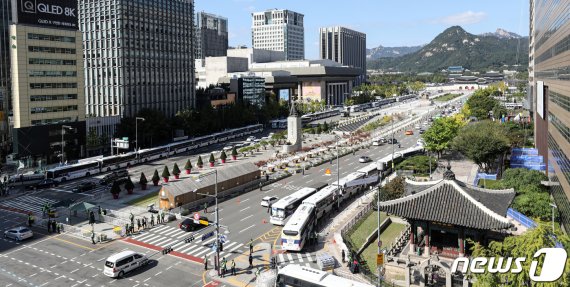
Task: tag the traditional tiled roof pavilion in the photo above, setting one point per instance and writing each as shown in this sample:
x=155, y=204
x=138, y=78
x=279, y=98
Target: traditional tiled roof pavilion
x=445, y=213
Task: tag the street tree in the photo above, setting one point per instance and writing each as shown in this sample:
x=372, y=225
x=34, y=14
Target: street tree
x=394, y=189
x=440, y=134
x=416, y=86
x=481, y=103
x=482, y=142
x=524, y=245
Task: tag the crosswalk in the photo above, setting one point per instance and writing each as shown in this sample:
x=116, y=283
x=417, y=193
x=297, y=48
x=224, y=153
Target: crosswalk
x=166, y=235
x=69, y=187
x=27, y=203
x=307, y=259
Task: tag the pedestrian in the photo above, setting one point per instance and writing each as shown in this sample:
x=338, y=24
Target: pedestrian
x=223, y=268
x=266, y=177
x=61, y=227
x=206, y=207
x=132, y=226
x=93, y=237
x=162, y=217
x=205, y=262
x=139, y=223
x=30, y=220
x=49, y=226
x=58, y=229
x=260, y=186
x=250, y=246
x=127, y=229
x=233, y=268
x=144, y=222
x=152, y=220
x=343, y=255
x=268, y=208
x=303, y=170
x=53, y=225
x=250, y=260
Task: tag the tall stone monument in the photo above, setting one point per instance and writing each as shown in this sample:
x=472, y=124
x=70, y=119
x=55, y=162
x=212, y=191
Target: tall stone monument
x=294, y=131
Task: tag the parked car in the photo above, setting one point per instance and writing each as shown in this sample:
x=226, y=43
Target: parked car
x=228, y=148
x=84, y=186
x=114, y=176
x=364, y=159
x=189, y=225
x=409, y=132
x=268, y=200
x=250, y=139
x=46, y=183
x=18, y=233
x=422, y=131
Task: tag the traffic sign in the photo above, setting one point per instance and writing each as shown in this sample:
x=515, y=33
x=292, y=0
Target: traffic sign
x=196, y=217
x=204, y=222
x=380, y=259
x=379, y=243
x=223, y=238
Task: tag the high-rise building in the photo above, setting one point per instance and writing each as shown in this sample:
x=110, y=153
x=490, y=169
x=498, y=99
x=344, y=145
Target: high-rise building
x=279, y=30
x=5, y=20
x=138, y=54
x=249, y=89
x=48, y=102
x=211, y=35
x=344, y=46
x=550, y=31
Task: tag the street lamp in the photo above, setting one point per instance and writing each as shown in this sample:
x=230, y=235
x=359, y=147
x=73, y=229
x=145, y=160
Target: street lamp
x=337, y=137
x=553, y=207
x=137, y=132
x=63, y=127
x=215, y=196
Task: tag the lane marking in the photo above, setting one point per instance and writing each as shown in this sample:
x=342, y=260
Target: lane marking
x=246, y=217
x=244, y=209
x=246, y=228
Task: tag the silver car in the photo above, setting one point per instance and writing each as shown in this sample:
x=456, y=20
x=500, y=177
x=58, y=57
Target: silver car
x=18, y=233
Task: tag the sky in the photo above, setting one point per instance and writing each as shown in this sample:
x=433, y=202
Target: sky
x=388, y=23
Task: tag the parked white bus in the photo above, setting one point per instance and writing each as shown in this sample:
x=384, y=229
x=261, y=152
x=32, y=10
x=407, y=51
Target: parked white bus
x=322, y=201
x=294, y=275
x=287, y=205
x=296, y=231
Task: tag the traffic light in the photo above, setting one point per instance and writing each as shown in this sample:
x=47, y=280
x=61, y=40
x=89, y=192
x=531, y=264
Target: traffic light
x=166, y=250
x=189, y=239
x=221, y=246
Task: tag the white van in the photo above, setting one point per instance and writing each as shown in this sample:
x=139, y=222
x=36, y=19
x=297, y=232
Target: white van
x=119, y=264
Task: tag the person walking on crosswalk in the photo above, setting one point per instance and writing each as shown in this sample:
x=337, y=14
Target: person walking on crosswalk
x=152, y=220
x=250, y=246
x=30, y=219
x=139, y=224
x=250, y=260
x=233, y=268
x=162, y=217
x=223, y=267
x=205, y=262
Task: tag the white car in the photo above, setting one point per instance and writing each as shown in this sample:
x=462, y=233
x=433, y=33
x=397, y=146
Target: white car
x=268, y=200
x=227, y=148
x=18, y=233
x=250, y=139
x=123, y=262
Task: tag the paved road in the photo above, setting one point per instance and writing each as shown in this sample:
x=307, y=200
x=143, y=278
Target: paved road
x=60, y=260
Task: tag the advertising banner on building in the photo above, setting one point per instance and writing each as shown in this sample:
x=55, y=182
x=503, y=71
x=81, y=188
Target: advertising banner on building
x=60, y=14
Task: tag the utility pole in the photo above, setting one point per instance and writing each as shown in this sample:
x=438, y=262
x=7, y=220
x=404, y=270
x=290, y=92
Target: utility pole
x=215, y=196
x=379, y=283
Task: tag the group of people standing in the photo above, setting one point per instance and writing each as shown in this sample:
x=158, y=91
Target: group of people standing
x=143, y=222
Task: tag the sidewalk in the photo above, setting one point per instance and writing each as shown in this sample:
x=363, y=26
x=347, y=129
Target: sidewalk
x=245, y=276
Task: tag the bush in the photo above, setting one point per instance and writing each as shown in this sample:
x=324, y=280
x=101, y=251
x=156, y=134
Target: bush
x=129, y=185
x=176, y=169
x=143, y=179
x=234, y=151
x=534, y=205
x=155, y=177
x=419, y=164
x=200, y=162
x=223, y=156
x=212, y=159
x=115, y=189
x=518, y=178
x=188, y=164
x=165, y=172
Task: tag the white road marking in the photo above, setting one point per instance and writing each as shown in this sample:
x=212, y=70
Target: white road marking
x=244, y=209
x=246, y=228
x=246, y=217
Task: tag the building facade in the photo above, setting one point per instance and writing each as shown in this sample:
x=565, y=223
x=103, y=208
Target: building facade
x=211, y=35
x=138, y=54
x=48, y=102
x=5, y=20
x=344, y=46
x=551, y=93
x=249, y=89
x=279, y=30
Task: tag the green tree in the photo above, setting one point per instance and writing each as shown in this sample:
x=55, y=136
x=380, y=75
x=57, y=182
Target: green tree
x=223, y=156
x=129, y=185
x=419, y=164
x=175, y=169
x=143, y=180
x=155, y=177
x=519, y=178
x=416, y=86
x=499, y=111
x=349, y=102
x=165, y=172
x=234, y=151
x=482, y=142
x=481, y=103
x=200, y=163
x=524, y=245
x=394, y=189
x=92, y=138
x=325, y=127
x=188, y=165
x=534, y=204
x=440, y=134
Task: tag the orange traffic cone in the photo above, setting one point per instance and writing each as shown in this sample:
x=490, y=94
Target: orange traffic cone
x=264, y=221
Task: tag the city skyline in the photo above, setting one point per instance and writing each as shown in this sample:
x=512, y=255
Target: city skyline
x=427, y=19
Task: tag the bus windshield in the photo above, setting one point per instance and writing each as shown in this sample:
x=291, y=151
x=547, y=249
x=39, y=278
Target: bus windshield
x=278, y=212
x=290, y=232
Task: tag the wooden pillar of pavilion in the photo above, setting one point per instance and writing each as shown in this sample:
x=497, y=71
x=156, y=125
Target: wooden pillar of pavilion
x=413, y=231
x=426, y=248
x=461, y=242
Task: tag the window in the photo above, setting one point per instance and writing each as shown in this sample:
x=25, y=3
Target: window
x=53, y=86
x=38, y=61
x=40, y=49
x=42, y=110
x=33, y=73
x=42, y=37
x=53, y=97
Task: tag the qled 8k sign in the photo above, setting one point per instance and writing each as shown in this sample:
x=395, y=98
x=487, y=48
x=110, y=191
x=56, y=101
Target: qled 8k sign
x=60, y=14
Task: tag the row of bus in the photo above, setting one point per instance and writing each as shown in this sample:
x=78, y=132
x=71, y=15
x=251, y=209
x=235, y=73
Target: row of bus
x=378, y=104
x=88, y=167
x=309, y=205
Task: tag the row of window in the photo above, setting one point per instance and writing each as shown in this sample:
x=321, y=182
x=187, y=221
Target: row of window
x=557, y=49
x=37, y=61
x=50, y=121
x=52, y=50
x=33, y=73
x=52, y=38
x=560, y=126
x=53, y=85
x=43, y=98
x=42, y=110
x=560, y=100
